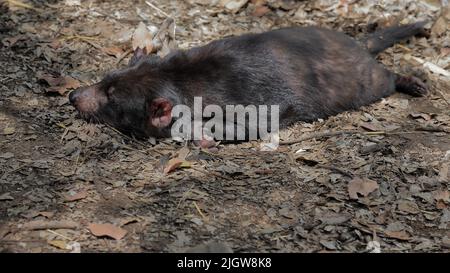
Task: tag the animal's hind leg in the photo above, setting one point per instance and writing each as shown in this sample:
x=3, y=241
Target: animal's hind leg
x=410, y=85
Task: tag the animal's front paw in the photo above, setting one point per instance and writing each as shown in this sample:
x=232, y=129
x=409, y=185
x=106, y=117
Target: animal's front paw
x=411, y=85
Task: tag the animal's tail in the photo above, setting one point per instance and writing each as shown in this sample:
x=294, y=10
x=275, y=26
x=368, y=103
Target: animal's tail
x=387, y=37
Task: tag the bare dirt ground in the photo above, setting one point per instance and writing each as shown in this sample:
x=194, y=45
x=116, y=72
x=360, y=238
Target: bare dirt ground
x=62, y=179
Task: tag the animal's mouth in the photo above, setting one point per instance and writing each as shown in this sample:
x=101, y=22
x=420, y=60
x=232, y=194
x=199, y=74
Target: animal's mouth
x=89, y=117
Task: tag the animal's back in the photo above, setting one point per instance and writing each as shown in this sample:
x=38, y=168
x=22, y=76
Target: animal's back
x=310, y=72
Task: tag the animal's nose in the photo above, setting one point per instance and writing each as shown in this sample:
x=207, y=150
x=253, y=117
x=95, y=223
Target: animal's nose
x=73, y=96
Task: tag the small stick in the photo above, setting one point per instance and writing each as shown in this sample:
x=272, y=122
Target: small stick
x=156, y=8
x=184, y=196
x=36, y=225
x=435, y=129
x=126, y=53
x=64, y=134
x=331, y=168
x=199, y=210
x=316, y=135
x=59, y=234
x=23, y=5
x=375, y=133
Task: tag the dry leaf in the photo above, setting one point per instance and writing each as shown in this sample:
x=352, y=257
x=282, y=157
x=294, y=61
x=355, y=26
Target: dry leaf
x=421, y=115
x=6, y=197
x=400, y=235
x=183, y=153
x=109, y=230
x=233, y=5
x=10, y=41
x=174, y=164
x=60, y=84
x=128, y=220
x=442, y=196
x=7, y=155
x=408, y=207
x=164, y=41
x=58, y=244
x=142, y=38
x=9, y=130
x=114, y=51
x=441, y=24
x=370, y=126
x=76, y=196
x=46, y=214
x=260, y=11
x=362, y=186
x=444, y=173
x=38, y=224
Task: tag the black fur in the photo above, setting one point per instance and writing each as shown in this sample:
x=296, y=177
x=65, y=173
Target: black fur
x=309, y=72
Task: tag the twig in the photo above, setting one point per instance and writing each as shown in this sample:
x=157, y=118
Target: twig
x=99, y=188
x=317, y=135
x=375, y=133
x=23, y=241
x=443, y=97
x=86, y=39
x=185, y=195
x=37, y=225
x=122, y=20
x=14, y=170
x=124, y=135
x=157, y=9
x=199, y=210
x=59, y=234
x=126, y=53
x=80, y=37
x=22, y=5
x=434, y=129
x=331, y=168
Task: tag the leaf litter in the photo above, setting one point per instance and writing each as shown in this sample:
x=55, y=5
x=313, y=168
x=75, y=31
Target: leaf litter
x=380, y=175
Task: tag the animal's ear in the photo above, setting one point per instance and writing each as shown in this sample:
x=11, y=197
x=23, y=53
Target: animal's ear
x=160, y=112
x=138, y=54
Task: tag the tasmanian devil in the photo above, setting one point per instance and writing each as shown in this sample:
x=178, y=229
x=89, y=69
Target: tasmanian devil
x=309, y=72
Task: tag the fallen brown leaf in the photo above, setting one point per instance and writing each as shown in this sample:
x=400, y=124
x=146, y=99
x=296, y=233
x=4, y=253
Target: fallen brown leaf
x=142, y=38
x=362, y=186
x=109, y=230
x=58, y=244
x=370, y=126
x=408, y=207
x=400, y=235
x=173, y=164
x=9, y=130
x=6, y=197
x=260, y=11
x=233, y=5
x=444, y=174
x=74, y=197
x=442, y=196
x=60, y=84
x=10, y=41
x=39, y=224
x=114, y=51
x=421, y=115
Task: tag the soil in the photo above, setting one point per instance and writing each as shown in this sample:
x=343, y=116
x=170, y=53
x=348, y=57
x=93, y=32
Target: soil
x=61, y=179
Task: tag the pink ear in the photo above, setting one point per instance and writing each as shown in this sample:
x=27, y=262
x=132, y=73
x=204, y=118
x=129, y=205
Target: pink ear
x=160, y=113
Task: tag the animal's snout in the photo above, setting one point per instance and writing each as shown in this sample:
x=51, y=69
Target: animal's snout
x=87, y=99
x=73, y=96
